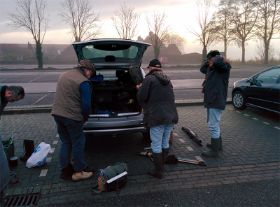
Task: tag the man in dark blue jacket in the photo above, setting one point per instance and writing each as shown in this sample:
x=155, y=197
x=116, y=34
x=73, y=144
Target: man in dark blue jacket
x=156, y=97
x=215, y=86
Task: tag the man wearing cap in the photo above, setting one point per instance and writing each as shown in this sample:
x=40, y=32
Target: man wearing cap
x=7, y=94
x=156, y=96
x=70, y=110
x=215, y=87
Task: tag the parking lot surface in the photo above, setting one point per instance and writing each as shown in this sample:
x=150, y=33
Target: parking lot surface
x=249, y=164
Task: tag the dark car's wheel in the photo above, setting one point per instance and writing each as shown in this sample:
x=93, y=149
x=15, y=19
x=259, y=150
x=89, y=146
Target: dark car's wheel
x=238, y=100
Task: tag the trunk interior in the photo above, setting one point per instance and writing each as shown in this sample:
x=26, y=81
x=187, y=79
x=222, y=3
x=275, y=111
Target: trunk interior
x=115, y=96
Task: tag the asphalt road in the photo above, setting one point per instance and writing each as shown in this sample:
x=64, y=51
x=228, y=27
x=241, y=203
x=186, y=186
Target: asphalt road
x=40, y=85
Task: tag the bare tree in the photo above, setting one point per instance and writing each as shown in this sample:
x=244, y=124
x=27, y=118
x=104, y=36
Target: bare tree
x=222, y=24
x=82, y=19
x=30, y=14
x=206, y=34
x=244, y=19
x=268, y=23
x=158, y=32
x=125, y=21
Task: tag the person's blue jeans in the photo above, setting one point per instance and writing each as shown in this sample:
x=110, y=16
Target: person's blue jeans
x=73, y=142
x=213, y=121
x=160, y=137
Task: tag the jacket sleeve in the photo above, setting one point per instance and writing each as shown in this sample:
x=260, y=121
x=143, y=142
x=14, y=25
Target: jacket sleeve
x=143, y=92
x=221, y=66
x=204, y=67
x=85, y=91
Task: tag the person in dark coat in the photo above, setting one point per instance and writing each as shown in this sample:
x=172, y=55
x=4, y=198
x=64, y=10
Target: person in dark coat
x=215, y=87
x=156, y=96
x=7, y=94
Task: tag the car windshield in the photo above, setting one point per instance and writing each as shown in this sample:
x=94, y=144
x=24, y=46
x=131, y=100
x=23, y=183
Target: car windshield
x=111, y=52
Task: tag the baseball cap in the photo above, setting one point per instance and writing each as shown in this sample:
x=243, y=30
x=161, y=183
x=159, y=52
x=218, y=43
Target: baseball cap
x=155, y=63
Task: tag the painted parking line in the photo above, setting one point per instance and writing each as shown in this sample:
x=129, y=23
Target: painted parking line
x=181, y=140
x=254, y=118
x=266, y=123
x=49, y=159
x=40, y=99
x=246, y=115
x=190, y=149
x=276, y=127
x=52, y=150
x=43, y=172
x=175, y=134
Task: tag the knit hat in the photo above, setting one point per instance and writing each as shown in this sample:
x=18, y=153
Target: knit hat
x=87, y=65
x=155, y=63
x=212, y=53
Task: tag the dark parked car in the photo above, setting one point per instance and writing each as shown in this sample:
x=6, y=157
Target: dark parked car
x=261, y=90
x=115, y=108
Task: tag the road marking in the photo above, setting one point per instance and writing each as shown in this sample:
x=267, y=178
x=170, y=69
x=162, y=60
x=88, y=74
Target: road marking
x=55, y=142
x=52, y=150
x=57, y=136
x=190, y=149
x=198, y=158
x=181, y=140
x=246, y=115
x=255, y=119
x=43, y=172
x=49, y=159
x=175, y=134
x=40, y=99
x=266, y=123
x=276, y=127
x=34, y=79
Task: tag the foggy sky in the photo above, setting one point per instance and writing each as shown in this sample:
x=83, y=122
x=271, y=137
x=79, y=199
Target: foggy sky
x=181, y=16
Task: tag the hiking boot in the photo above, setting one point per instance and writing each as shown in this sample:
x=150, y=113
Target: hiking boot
x=81, y=175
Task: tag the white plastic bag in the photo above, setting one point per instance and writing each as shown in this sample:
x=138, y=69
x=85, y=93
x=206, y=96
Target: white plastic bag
x=39, y=156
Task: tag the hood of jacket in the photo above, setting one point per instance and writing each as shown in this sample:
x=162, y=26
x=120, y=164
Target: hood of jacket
x=163, y=79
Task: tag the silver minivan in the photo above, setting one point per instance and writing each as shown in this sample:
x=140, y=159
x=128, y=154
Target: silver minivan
x=115, y=109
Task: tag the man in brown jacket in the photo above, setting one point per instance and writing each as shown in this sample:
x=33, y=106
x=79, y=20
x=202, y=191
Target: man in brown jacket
x=70, y=110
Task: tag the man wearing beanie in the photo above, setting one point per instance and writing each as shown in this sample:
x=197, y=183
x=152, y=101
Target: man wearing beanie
x=70, y=110
x=156, y=96
x=215, y=87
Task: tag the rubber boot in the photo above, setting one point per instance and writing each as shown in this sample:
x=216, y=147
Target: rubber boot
x=213, y=151
x=157, y=172
x=164, y=154
x=220, y=145
x=29, y=149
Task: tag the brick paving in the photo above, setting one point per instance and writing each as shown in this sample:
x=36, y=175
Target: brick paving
x=250, y=154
